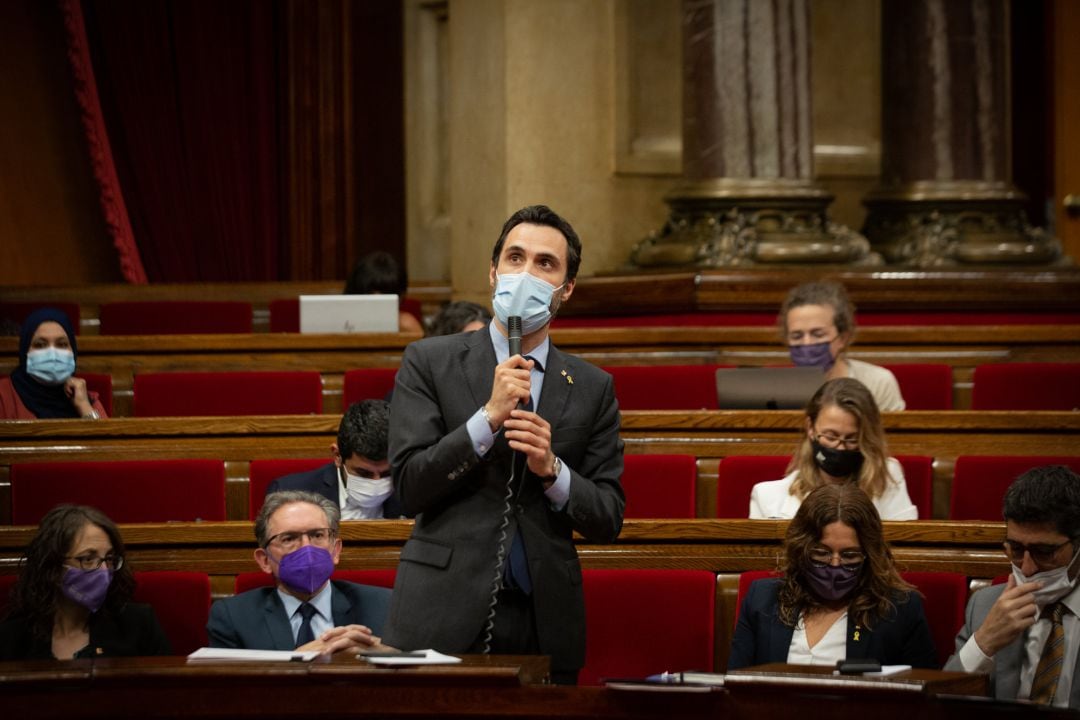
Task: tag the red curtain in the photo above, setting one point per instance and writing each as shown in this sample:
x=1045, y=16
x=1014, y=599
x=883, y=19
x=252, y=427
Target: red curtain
x=188, y=93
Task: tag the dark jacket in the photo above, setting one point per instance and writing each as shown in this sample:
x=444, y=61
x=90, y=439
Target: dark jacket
x=324, y=481
x=134, y=631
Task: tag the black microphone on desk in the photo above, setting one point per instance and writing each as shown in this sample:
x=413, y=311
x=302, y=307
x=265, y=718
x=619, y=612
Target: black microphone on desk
x=513, y=334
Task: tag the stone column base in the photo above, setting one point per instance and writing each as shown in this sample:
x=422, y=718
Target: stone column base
x=725, y=223
x=943, y=224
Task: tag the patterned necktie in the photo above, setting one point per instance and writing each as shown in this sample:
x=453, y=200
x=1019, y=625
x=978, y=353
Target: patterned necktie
x=1044, y=686
x=305, y=634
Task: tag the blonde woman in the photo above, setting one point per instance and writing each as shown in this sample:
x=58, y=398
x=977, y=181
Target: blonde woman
x=843, y=442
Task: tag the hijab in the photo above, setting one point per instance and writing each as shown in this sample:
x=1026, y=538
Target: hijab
x=42, y=400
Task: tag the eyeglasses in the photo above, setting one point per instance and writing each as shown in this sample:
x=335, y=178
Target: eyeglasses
x=834, y=441
x=849, y=559
x=1041, y=553
x=89, y=563
x=289, y=541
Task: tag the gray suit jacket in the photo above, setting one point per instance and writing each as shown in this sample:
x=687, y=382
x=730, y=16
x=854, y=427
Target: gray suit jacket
x=1005, y=679
x=256, y=619
x=445, y=574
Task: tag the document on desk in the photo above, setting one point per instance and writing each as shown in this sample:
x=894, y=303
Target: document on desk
x=420, y=657
x=241, y=655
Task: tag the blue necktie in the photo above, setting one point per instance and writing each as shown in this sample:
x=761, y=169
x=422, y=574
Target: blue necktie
x=305, y=634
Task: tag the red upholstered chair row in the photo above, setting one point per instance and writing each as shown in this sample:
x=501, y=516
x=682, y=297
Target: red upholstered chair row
x=944, y=599
x=660, y=486
x=263, y=472
x=285, y=313
x=181, y=601
x=368, y=384
x=1026, y=386
x=925, y=386
x=16, y=312
x=126, y=491
x=181, y=394
x=665, y=387
x=175, y=317
x=102, y=385
x=980, y=481
x=739, y=473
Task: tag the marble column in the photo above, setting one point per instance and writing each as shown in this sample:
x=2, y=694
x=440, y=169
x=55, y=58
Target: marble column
x=946, y=196
x=747, y=195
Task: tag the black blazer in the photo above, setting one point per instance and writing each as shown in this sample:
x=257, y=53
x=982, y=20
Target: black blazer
x=325, y=482
x=132, y=632
x=900, y=639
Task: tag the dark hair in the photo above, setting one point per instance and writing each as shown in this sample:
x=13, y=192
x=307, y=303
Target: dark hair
x=1047, y=494
x=364, y=430
x=377, y=272
x=277, y=500
x=543, y=215
x=825, y=293
x=455, y=316
x=37, y=593
x=879, y=582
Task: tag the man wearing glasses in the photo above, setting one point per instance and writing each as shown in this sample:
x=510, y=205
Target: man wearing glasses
x=1026, y=632
x=305, y=610
x=358, y=479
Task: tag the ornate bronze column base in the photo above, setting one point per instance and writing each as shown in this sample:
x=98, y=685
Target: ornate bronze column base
x=726, y=223
x=942, y=224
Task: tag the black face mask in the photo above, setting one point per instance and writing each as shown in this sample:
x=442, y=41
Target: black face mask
x=838, y=463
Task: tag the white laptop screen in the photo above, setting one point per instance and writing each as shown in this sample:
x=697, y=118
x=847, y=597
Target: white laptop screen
x=348, y=313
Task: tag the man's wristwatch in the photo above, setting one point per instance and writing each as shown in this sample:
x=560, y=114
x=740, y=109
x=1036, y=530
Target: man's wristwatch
x=92, y=415
x=556, y=468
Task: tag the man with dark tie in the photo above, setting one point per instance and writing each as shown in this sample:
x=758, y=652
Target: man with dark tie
x=299, y=546
x=502, y=457
x=1026, y=632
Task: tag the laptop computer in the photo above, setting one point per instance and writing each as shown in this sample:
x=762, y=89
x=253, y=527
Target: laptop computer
x=766, y=388
x=348, y=313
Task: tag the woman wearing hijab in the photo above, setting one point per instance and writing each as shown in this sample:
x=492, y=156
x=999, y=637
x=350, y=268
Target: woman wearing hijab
x=44, y=385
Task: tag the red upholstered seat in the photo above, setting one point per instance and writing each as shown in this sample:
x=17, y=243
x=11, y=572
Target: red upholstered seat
x=980, y=481
x=660, y=486
x=285, y=315
x=100, y=383
x=737, y=476
x=263, y=472
x=665, y=387
x=382, y=577
x=126, y=491
x=16, y=312
x=919, y=478
x=641, y=622
x=1026, y=386
x=175, y=317
x=368, y=384
x=180, y=394
x=181, y=601
x=925, y=386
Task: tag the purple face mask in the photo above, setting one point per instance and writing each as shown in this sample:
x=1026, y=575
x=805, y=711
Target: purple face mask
x=816, y=355
x=87, y=588
x=830, y=583
x=307, y=569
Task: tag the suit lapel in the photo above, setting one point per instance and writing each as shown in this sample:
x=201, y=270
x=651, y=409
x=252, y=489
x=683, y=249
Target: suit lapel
x=1008, y=662
x=331, y=481
x=558, y=382
x=779, y=638
x=858, y=640
x=277, y=622
x=340, y=607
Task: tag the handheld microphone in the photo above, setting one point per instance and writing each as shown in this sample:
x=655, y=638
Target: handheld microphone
x=513, y=334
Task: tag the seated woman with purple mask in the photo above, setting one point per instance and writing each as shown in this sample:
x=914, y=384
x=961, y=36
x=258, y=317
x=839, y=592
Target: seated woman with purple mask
x=840, y=596
x=71, y=599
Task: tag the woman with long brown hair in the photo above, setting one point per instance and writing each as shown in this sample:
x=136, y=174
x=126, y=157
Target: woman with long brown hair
x=843, y=442
x=840, y=596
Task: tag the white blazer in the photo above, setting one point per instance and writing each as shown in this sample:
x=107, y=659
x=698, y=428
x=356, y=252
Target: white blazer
x=773, y=499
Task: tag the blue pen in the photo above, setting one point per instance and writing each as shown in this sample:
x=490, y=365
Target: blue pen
x=665, y=677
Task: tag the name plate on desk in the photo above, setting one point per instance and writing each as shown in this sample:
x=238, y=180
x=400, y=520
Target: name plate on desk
x=808, y=678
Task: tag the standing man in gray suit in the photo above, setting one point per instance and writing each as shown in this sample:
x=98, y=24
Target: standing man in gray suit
x=502, y=457
x=1026, y=633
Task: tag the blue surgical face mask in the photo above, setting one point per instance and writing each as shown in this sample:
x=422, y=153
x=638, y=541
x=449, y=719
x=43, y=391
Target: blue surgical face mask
x=526, y=296
x=50, y=366
x=816, y=355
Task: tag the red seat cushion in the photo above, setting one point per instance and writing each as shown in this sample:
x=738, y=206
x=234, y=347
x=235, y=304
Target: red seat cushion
x=642, y=622
x=285, y=315
x=100, y=383
x=737, y=476
x=665, y=387
x=182, y=394
x=181, y=601
x=926, y=386
x=980, y=481
x=263, y=472
x=1026, y=386
x=126, y=491
x=175, y=317
x=660, y=486
x=382, y=577
x=368, y=384
x=16, y=312
x=919, y=478
x=944, y=600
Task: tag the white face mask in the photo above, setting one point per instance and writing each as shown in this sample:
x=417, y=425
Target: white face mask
x=1055, y=583
x=366, y=492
